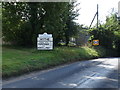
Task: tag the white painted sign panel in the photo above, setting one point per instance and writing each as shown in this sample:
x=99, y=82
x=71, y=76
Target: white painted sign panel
x=45, y=41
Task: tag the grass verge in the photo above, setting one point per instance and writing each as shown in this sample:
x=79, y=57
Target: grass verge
x=16, y=60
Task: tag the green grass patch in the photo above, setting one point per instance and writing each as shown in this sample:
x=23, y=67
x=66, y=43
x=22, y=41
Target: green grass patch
x=18, y=60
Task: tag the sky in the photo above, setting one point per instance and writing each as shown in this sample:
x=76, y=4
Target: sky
x=88, y=9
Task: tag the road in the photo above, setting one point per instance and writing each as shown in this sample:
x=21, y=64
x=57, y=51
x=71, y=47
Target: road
x=96, y=73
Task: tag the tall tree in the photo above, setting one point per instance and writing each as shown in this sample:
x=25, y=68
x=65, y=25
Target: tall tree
x=22, y=22
x=71, y=26
x=11, y=19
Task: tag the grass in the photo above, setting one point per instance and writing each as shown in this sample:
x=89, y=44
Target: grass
x=18, y=60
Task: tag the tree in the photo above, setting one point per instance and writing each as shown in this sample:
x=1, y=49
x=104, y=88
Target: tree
x=54, y=19
x=71, y=26
x=108, y=33
x=112, y=26
x=23, y=21
x=12, y=20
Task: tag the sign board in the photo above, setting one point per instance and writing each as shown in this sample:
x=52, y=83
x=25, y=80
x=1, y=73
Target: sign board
x=45, y=41
x=95, y=42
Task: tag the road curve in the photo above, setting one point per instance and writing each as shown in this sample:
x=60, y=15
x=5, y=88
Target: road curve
x=96, y=73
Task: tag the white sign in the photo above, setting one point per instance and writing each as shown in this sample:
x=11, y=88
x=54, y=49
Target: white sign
x=45, y=42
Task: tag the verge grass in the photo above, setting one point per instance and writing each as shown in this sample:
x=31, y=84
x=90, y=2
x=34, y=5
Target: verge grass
x=18, y=60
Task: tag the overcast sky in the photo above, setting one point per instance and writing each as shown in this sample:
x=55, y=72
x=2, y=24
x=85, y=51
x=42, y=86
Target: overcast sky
x=89, y=8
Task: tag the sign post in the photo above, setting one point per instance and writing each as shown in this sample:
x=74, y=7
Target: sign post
x=44, y=42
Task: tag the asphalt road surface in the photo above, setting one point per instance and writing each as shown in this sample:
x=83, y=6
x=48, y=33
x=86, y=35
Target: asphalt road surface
x=96, y=73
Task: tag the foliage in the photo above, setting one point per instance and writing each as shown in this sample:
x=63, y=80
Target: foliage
x=23, y=21
x=71, y=26
x=12, y=22
x=108, y=33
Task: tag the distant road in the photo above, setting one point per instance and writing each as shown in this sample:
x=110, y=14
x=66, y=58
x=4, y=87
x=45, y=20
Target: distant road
x=96, y=73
